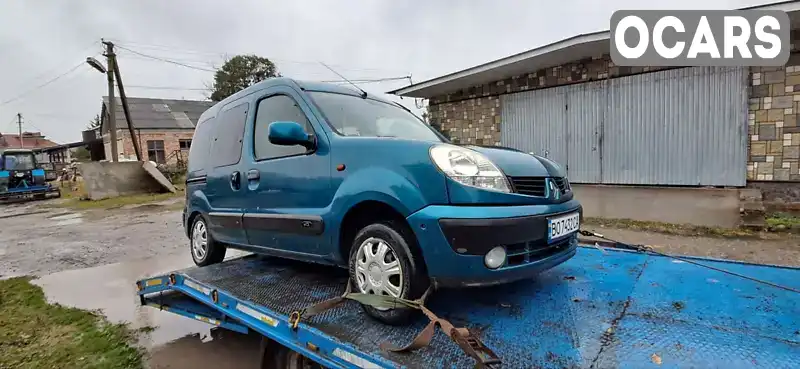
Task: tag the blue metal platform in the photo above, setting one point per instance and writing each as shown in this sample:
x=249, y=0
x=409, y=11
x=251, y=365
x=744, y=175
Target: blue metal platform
x=613, y=309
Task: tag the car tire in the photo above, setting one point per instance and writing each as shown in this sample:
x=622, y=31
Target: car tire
x=369, y=274
x=204, y=249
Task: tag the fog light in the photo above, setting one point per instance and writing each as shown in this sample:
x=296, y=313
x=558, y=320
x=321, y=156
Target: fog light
x=495, y=258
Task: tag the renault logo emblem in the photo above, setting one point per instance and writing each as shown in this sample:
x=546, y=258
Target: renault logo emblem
x=556, y=193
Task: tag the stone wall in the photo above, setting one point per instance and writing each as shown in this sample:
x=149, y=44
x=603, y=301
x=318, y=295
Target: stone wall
x=473, y=115
x=474, y=121
x=773, y=122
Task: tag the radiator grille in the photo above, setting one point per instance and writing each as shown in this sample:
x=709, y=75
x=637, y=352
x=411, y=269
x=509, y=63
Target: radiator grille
x=537, y=186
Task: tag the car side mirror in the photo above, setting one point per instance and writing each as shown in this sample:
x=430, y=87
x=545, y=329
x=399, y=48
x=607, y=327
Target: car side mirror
x=290, y=134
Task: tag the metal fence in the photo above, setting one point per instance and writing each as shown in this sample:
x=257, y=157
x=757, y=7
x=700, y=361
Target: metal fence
x=677, y=127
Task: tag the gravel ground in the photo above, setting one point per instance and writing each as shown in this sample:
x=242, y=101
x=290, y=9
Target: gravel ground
x=35, y=240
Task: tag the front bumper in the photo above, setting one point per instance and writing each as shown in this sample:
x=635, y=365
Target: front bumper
x=454, y=240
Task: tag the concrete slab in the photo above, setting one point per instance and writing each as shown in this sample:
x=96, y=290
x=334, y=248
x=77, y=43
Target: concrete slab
x=698, y=206
x=107, y=179
x=158, y=176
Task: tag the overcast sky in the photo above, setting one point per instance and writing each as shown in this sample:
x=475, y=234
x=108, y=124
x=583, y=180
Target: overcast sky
x=367, y=39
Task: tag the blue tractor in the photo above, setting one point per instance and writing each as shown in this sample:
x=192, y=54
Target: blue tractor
x=22, y=179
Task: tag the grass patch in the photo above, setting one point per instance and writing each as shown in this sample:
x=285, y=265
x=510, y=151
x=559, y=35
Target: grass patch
x=74, y=196
x=116, y=202
x=35, y=334
x=668, y=228
x=72, y=190
x=783, y=222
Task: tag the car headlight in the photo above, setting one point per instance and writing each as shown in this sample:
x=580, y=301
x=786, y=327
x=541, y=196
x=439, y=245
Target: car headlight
x=469, y=168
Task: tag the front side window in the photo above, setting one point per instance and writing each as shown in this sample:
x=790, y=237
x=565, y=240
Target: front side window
x=19, y=161
x=155, y=151
x=355, y=116
x=277, y=108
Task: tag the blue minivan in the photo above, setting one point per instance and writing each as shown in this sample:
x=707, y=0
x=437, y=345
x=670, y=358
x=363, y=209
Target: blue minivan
x=328, y=174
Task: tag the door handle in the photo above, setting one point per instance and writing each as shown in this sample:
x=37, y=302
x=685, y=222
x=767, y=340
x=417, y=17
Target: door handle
x=236, y=180
x=253, y=175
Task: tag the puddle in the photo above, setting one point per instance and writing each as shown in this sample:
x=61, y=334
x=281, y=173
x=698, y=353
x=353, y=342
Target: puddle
x=226, y=350
x=175, y=341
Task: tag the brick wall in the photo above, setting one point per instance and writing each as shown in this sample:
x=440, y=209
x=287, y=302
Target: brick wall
x=773, y=122
x=169, y=137
x=473, y=115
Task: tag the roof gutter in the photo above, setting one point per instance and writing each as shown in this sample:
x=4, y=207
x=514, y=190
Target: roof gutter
x=575, y=40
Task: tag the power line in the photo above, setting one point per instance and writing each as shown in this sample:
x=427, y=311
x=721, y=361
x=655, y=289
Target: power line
x=367, y=80
x=178, y=88
x=223, y=55
x=168, y=88
x=49, y=71
x=166, y=60
x=28, y=122
x=44, y=84
x=198, y=63
x=13, y=121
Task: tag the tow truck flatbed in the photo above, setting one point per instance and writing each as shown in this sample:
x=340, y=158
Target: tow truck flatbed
x=602, y=309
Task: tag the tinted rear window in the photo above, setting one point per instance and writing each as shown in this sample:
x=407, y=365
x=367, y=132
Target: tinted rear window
x=201, y=143
x=229, y=132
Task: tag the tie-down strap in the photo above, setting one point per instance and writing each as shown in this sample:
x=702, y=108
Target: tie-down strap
x=472, y=346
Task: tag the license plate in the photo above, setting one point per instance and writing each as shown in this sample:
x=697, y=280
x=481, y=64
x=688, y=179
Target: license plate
x=563, y=226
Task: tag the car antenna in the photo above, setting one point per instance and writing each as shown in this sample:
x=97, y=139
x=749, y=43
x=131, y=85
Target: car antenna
x=363, y=93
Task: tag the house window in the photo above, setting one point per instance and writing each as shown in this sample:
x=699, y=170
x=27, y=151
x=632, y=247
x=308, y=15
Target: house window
x=184, y=144
x=155, y=151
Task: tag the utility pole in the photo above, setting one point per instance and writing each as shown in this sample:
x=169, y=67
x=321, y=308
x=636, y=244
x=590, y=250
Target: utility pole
x=127, y=111
x=19, y=123
x=112, y=101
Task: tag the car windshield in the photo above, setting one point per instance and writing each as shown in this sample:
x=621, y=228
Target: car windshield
x=354, y=116
x=18, y=161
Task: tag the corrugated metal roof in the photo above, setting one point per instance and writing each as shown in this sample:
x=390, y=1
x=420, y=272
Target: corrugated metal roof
x=31, y=140
x=158, y=113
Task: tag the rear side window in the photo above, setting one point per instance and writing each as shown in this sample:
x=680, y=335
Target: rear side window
x=198, y=153
x=228, y=134
x=273, y=109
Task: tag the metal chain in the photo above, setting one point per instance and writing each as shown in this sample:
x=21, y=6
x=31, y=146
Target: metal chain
x=644, y=248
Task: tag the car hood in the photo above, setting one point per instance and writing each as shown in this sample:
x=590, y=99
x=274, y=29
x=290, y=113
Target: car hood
x=516, y=163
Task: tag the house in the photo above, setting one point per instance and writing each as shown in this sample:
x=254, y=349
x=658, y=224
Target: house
x=727, y=127
x=163, y=128
x=29, y=140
